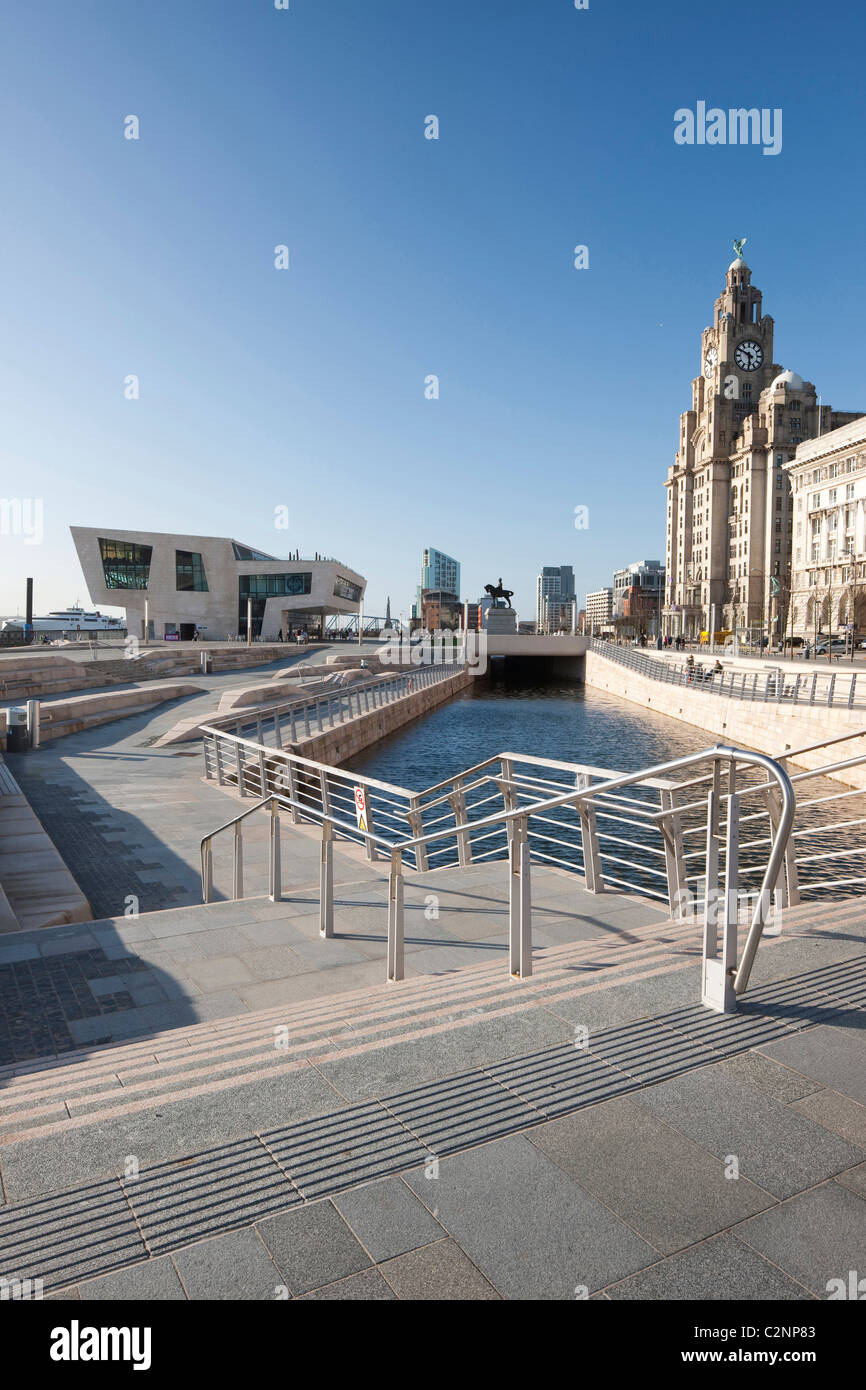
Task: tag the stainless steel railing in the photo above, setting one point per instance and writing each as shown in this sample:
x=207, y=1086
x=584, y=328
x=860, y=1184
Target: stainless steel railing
x=723, y=977
x=780, y=685
x=280, y=722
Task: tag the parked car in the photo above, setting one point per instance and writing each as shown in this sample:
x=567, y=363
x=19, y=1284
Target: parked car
x=837, y=646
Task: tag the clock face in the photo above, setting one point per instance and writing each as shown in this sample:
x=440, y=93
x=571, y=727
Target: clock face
x=710, y=361
x=749, y=356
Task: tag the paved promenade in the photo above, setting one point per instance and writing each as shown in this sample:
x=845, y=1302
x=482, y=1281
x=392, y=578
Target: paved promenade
x=214, y=1102
x=128, y=818
x=461, y=1135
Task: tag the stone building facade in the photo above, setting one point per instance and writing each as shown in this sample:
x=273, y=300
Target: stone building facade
x=828, y=483
x=729, y=503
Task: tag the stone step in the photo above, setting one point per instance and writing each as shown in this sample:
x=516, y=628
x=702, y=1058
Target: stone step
x=86, y=1087
x=240, y=1051
x=257, y=1040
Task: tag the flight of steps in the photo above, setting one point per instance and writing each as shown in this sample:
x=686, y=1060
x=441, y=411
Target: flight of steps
x=54, y=1096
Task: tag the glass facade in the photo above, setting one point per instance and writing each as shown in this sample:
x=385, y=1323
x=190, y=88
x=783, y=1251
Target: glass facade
x=125, y=565
x=261, y=587
x=271, y=585
x=245, y=552
x=343, y=589
x=189, y=571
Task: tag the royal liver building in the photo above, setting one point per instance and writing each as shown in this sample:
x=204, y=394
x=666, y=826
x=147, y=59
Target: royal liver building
x=729, y=514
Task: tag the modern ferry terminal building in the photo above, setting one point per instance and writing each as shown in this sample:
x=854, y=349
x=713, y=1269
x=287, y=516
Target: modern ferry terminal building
x=185, y=586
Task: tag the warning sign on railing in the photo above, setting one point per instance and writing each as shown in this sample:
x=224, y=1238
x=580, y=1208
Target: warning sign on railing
x=361, y=808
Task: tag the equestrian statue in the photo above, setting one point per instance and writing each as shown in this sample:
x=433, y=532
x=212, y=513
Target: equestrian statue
x=497, y=592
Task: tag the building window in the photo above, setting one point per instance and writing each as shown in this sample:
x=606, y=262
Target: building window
x=189, y=571
x=261, y=587
x=125, y=565
x=244, y=552
x=274, y=585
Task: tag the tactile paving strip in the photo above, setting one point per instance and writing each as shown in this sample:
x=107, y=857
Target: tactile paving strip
x=343, y=1150
x=184, y=1201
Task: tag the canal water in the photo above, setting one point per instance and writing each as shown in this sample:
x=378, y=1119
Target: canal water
x=563, y=720
x=575, y=723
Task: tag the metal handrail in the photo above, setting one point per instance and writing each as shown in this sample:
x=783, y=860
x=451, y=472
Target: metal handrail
x=268, y=711
x=771, y=685
x=722, y=980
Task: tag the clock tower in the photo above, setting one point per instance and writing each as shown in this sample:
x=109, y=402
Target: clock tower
x=729, y=513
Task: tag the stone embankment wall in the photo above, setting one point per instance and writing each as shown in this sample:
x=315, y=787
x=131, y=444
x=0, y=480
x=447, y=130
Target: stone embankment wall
x=766, y=726
x=334, y=746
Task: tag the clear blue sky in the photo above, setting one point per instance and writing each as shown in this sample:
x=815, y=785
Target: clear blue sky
x=261, y=388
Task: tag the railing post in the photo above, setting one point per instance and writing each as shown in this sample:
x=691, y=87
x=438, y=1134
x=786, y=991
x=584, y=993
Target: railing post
x=851, y=692
x=326, y=882
x=292, y=785
x=519, y=903
x=457, y=801
x=217, y=745
x=592, y=870
x=814, y=687
x=509, y=795
x=717, y=978
x=370, y=845
x=831, y=688
x=275, y=865
x=238, y=862
x=796, y=689
x=416, y=825
x=325, y=792
x=239, y=763
x=207, y=874
x=675, y=862
x=263, y=790
x=789, y=877
x=278, y=732
x=395, y=916
x=711, y=864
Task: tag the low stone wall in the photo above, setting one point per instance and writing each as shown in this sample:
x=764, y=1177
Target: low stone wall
x=766, y=726
x=32, y=677
x=334, y=746
x=36, y=888
x=70, y=716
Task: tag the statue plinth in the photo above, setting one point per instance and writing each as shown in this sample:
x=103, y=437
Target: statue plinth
x=500, y=620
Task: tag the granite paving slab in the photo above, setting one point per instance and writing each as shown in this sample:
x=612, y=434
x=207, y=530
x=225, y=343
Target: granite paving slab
x=549, y=1238
x=677, y=1194
x=775, y=1147
x=719, y=1269
x=815, y=1237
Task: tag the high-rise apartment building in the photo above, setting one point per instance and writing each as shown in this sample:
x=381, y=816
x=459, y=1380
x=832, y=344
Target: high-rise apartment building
x=555, y=598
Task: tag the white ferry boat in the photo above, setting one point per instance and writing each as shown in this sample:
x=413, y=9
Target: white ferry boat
x=68, y=621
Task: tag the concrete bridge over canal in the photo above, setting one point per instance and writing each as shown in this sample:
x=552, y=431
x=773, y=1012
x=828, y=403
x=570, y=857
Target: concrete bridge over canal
x=559, y=654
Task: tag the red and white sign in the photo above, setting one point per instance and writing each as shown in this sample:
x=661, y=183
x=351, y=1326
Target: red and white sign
x=361, y=808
